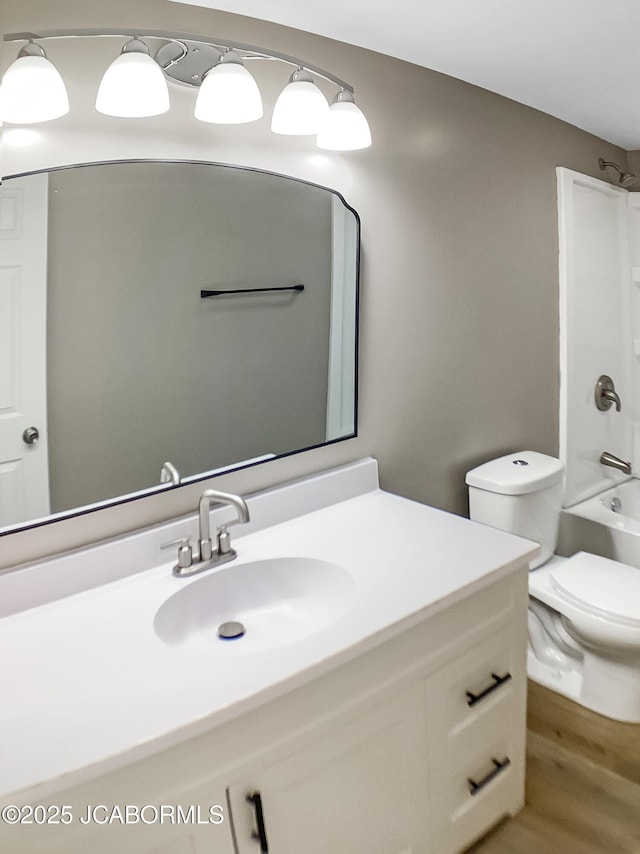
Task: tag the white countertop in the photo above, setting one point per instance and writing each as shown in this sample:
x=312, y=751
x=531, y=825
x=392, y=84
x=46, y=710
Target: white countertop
x=89, y=686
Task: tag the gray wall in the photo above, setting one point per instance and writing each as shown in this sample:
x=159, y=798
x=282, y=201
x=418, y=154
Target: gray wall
x=633, y=161
x=141, y=369
x=459, y=300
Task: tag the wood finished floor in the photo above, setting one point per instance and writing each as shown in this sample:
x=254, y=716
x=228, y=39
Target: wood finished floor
x=582, y=787
x=573, y=806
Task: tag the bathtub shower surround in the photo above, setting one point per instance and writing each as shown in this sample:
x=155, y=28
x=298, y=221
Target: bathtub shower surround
x=599, y=236
x=599, y=232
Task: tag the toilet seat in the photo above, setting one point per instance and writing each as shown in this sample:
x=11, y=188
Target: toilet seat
x=601, y=587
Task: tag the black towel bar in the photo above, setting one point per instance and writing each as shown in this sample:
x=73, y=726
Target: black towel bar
x=206, y=294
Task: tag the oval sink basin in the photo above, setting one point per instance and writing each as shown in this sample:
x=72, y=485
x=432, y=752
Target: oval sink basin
x=277, y=601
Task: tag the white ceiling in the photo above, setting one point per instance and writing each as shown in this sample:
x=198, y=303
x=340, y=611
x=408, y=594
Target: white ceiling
x=578, y=60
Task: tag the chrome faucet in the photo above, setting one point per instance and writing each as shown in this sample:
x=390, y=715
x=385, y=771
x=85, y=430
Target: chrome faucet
x=608, y=459
x=207, y=557
x=223, y=541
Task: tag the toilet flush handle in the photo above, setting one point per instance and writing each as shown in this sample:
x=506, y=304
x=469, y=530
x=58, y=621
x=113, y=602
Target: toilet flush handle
x=605, y=394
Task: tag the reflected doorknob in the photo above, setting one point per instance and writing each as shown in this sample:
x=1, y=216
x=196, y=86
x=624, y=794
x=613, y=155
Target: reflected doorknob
x=31, y=435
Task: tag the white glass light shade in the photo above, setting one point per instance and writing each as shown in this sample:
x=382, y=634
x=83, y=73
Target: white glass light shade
x=228, y=95
x=301, y=107
x=133, y=86
x=33, y=91
x=345, y=128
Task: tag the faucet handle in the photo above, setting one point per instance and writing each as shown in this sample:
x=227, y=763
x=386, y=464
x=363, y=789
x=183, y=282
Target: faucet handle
x=223, y=539
x=185, y=552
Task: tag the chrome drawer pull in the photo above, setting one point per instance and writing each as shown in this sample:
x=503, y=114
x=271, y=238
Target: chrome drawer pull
x=498, y=768
x=472, y=699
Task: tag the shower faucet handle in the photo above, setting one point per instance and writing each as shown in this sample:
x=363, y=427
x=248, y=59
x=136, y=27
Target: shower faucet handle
x=605, y=394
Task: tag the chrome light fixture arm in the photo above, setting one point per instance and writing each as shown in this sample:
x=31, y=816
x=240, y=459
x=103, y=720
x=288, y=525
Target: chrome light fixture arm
x=184, y=41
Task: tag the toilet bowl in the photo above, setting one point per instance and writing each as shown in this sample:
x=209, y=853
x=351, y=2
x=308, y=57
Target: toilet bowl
x=584, y=611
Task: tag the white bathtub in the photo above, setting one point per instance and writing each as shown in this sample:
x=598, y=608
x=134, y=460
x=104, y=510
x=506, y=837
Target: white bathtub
x=606, y=524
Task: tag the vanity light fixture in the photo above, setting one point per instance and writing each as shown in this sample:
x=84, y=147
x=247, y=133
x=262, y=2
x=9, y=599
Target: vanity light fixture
x=135, y=85
x=345, y=127
x=32, y=88
x=301, y=107
x=228, y=94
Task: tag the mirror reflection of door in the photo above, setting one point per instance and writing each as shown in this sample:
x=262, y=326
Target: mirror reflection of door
x=24, y=483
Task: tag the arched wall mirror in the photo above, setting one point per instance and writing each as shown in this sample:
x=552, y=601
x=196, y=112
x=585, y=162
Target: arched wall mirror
x=132, y=375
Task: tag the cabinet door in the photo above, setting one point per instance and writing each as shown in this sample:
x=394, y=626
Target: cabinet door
x=358, y=789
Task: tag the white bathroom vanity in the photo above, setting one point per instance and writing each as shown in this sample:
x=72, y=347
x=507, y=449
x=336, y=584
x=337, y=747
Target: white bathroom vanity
x=375, y=704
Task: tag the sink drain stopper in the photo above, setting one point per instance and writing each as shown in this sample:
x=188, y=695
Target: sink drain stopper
x=230, y=631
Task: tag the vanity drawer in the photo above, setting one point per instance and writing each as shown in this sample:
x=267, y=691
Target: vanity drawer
x=481, y=779
x=483, y=682
x=476, y=725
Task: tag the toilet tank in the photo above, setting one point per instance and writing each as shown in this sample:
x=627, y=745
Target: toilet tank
x=520, y=493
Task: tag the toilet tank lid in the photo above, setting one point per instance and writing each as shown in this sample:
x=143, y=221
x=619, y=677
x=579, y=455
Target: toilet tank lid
x=517, y=474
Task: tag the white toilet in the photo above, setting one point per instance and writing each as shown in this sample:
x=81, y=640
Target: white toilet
x=584, y=611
